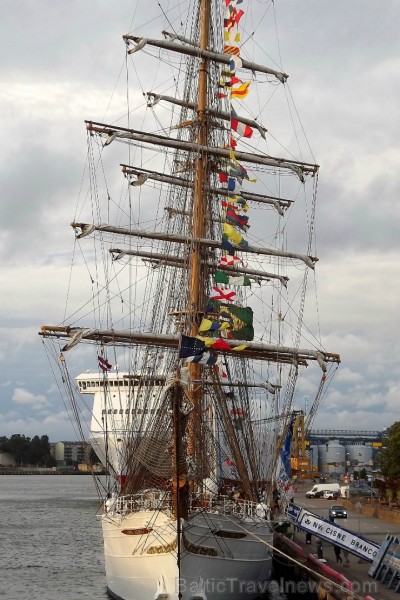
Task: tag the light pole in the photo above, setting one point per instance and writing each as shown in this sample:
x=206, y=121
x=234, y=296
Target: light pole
x=338, y=463
x=358, y=508
x=347, y=464
x=358, y=503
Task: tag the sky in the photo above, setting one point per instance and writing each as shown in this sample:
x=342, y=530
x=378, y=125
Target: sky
x=60, y=61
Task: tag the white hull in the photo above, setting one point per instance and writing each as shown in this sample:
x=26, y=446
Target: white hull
x=142, y=564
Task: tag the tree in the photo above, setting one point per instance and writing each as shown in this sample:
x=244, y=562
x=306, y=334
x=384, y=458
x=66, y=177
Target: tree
x=46, y=458
x=18, y=445
x=35, y=451
x=26, y=451
x=390, y=454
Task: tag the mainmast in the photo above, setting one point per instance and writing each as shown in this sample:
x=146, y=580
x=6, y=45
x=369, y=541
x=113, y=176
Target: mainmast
x=197, y=275
x=196, y=294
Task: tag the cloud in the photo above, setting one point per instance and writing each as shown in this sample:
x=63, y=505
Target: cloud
x=361, y=420
x=57, y=426
x=346, y=376
x=344, y=76
x=26, y=398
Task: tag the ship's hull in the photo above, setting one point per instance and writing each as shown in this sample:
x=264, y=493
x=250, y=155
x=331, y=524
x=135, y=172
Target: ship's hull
x=141, y=550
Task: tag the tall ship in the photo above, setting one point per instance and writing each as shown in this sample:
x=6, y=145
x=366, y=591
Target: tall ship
x=195, y=265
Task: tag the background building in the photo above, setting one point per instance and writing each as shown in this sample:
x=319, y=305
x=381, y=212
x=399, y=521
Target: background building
x=339, y=452
x=6, y=459
x=70, y=454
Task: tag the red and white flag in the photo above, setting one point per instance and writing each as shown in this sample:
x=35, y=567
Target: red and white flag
x=241, y=128
x=220, y=368
x=218, y=293
x=104, y=365
x=229, y=261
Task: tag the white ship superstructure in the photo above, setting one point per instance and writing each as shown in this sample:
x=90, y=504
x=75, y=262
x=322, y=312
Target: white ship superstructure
x=122, y=405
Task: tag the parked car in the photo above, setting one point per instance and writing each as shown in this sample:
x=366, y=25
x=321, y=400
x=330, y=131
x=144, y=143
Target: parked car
x=319, y=489
x=330, y=495
x=337, y=511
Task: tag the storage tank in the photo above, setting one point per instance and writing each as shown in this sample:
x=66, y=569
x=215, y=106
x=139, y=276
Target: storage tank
x=313, y=454
x=359, y=455
x=331, y=458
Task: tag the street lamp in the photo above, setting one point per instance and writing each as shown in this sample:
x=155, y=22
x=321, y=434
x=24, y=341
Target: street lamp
x=359, y=505
x=346, y=467
x=336, y=464
x=358, y=508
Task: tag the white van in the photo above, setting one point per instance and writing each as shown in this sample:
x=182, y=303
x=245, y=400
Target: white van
x=319, y=488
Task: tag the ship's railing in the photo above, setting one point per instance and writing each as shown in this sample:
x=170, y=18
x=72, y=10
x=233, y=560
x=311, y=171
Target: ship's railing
x=227, y=505
x=162, y=500
x=146, y=500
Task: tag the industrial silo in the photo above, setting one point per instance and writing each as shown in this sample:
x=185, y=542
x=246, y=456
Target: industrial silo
x=313, y=454
x=359, y=456
x=331, y=458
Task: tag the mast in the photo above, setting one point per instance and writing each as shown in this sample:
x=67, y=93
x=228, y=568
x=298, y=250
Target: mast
x=179, y=480
x=196, y=292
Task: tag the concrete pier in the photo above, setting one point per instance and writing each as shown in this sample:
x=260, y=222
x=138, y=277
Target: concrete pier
x=371, y=527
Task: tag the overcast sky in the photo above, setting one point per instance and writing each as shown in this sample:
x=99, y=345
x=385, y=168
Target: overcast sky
x=59, y=63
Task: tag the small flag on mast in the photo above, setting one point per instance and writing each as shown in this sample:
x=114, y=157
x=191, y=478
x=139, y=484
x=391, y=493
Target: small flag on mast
x=104, y=364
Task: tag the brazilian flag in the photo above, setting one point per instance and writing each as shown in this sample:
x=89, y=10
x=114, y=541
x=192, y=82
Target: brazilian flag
x=239, y=319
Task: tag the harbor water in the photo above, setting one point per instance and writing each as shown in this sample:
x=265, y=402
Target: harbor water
x=51, y=546
x=50, y=539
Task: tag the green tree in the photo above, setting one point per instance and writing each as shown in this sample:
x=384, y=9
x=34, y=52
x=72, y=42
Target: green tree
x=28, y=452
x=47, y=459
x=35, y=451
x=18, y=445
x=390, y=453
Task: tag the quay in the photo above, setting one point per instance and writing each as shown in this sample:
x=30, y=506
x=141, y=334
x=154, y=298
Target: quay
x=352, y=577
x=41, y=471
